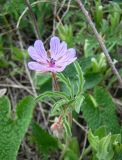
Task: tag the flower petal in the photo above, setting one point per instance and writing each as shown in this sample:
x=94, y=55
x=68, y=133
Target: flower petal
x=61, y=51
x=71, y=53
x=56, y=69
x=60, y=69
x=37, y=67
x=54, y=46
x=38, y=45
x=68, y=58
x=34, y=55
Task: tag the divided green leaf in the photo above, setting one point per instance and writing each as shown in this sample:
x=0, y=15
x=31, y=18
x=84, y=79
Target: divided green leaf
x=44, y=141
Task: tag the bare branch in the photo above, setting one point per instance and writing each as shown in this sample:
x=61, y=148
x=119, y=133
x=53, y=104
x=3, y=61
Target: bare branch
x=99, y=39
x=29, y=75
x=78, y=124
x=36, y=29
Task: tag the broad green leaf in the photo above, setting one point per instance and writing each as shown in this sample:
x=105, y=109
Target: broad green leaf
x=92, y=79
x=93, y=140
x=118, y=152
x=44, y=141
x=100, y=132
x=93, y=101
x=102, y=115
x=72, y=150
x=12, y=130
x=42, y=81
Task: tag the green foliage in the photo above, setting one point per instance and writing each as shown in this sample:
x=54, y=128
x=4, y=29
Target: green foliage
x=44, y=12
x=98, y=13
x=93, y=74
x=67, y=83
x=102, y=114
x=99, y=65
x=71, y=99
x=57, y=107
x=103, y=146
x=67, y=127
x=80, y=76
x=98, y=108
x=42, y=82
x=66, y=102
x=71, y=150
x=17, y=54
x=78, y=102
x=66, y=34
x=88, y=48
x=52, y=95
x=115, y=15
x=12, y=130
x=44, y=141
x=118, y=152
x=92, y=80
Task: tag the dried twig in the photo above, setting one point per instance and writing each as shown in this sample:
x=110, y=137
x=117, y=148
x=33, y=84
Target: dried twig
x=62, y=5
x=84, y=146
x=36, y=29
x=17, y=86
x=78, y=124
x=99, y=39
x=32, y=5
x=29, y=76
x=54, y=14
x=60, y=19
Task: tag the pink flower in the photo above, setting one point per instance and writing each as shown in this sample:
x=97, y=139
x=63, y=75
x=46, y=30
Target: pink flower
x=54, y=60
x=57, y=127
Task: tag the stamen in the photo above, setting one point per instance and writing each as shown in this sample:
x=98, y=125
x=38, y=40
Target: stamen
x=51, y=62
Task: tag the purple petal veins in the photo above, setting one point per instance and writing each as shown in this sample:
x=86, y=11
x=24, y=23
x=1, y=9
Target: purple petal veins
x=55, y=60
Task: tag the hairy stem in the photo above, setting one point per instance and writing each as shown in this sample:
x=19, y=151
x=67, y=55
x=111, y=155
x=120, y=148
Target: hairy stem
x=55, y=83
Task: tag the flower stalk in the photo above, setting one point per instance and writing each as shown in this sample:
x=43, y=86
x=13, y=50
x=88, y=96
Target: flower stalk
x=55, y=82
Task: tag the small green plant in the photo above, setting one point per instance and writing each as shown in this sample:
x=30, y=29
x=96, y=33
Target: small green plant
x=103, y=146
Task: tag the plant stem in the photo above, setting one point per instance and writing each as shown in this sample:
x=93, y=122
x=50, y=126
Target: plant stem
x=55, y=83
x=64, y=150
x=70, y=118
x=86, y=151
x=99, y=39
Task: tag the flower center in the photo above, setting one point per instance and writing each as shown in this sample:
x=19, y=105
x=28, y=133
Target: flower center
x=51, y=62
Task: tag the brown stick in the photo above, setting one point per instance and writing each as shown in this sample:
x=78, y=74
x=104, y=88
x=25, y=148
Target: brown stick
x=36, y=29
x=99, y=39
